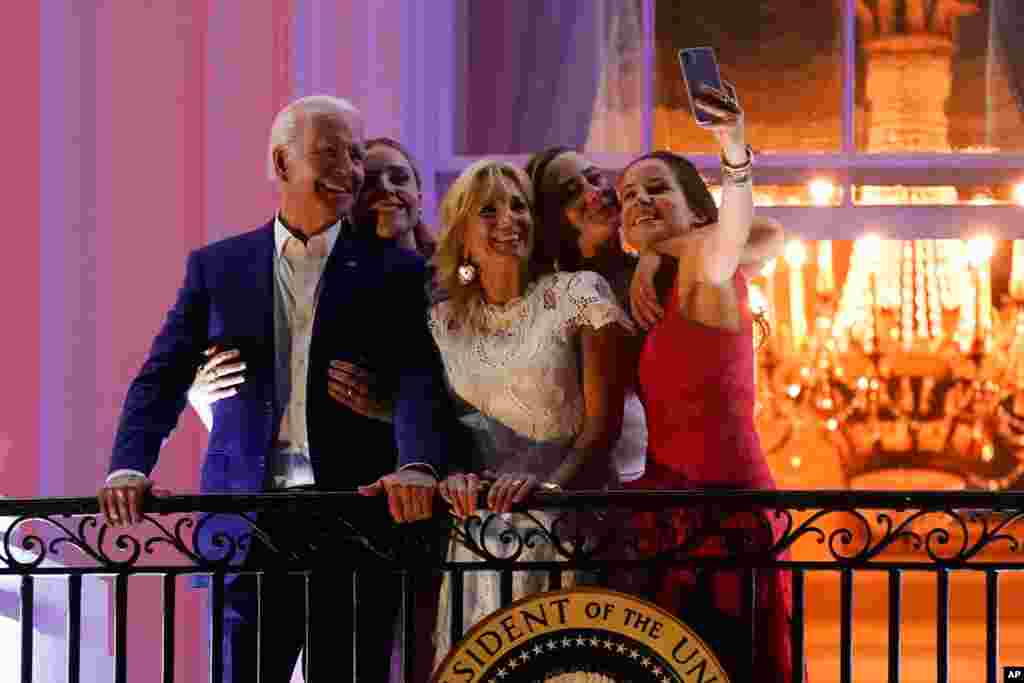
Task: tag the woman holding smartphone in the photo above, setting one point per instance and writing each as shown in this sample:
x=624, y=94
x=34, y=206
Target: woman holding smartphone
x=579, y=223
x=696, y=380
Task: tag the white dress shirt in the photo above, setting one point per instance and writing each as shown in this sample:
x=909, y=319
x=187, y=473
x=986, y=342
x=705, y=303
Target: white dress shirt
x=298, y=269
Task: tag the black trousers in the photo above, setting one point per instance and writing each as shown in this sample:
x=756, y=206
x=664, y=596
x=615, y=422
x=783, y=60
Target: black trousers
x=342, y=618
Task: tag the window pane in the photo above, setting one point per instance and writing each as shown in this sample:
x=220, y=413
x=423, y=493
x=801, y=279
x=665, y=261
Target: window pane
x=938, y=195
x=873, y=360
x=818, y=192
x=788, y=81
x=536, y=73
x=935, y=78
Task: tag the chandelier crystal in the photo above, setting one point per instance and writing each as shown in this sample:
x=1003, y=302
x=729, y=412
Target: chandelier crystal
x=908, y=369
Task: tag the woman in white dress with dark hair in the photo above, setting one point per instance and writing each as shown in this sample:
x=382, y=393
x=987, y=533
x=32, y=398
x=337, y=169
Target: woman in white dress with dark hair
x=537, y=359
x=580, y=219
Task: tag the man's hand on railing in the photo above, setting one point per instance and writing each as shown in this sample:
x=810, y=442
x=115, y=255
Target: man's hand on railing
x=461, y=491
x=410, y=494
x=122, y=498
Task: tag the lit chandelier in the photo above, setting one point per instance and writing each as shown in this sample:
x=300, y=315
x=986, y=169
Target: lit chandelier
x=908, y=368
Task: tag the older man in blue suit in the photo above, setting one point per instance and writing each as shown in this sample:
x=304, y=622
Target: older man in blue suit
x=293, y=296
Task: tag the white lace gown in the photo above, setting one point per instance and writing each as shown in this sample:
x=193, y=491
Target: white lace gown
x=630, y=453
x=520, y=370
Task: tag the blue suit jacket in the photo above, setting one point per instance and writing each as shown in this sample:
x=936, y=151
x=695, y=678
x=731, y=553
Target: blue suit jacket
x=372, y=309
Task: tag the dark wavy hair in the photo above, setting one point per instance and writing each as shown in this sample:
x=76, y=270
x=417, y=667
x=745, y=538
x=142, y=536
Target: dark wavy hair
x=690, y=182
x=400, y=148
x=556, y=241
x=701, y=203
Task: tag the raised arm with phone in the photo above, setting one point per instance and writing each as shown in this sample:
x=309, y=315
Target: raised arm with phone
x=712, y=241
x=700, y=71
x=696, y=377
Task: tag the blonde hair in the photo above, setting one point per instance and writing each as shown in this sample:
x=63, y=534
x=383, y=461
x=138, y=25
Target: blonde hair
x=474, y=187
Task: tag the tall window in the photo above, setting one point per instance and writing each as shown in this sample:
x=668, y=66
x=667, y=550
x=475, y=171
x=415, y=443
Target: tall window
x=900, y=106
x=896, y=118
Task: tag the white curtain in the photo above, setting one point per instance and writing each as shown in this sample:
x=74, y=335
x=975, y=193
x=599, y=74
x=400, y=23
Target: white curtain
x=537, y=73
x=617, y=122
x=1004, y=120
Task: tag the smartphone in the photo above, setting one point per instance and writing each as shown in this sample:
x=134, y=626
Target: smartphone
x=700, y=67
x=730, y=90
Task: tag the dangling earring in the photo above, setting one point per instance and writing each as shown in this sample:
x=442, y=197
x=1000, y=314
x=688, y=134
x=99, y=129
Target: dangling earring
x=467, y=273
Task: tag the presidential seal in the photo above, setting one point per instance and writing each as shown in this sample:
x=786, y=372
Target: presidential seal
x=581, y=635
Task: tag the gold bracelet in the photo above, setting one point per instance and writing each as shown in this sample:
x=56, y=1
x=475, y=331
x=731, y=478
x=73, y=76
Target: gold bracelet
x=736, y=178
x=550, y=487
x=738, y=174
x=741, y=166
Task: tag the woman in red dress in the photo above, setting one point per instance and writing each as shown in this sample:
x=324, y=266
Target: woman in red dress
x=696, y=381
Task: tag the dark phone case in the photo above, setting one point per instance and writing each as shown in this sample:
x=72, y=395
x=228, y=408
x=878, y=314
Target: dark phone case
x=699, y=67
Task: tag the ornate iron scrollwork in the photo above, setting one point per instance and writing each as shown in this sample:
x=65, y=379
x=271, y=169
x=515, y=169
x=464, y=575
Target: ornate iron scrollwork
x=682, y=528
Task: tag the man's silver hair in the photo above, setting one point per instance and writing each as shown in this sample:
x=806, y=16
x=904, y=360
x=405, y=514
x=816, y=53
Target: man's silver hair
x=286, y=131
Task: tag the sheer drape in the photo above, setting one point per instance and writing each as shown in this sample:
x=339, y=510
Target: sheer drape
x=535, y=73
x=1005, y=108
x=1008, y=30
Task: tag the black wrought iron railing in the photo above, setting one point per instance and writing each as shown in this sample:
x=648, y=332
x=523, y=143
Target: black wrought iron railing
x=607, y=537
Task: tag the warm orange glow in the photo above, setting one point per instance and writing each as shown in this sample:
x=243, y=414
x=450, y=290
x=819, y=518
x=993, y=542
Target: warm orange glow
x=796, y=253
x=822, y=190
x=796, y=257
x=1017, y=271
x=871, y=247
x=979, y=253
x=826, y=281
x=758, y=302
x=768, y=273
x=980, y=250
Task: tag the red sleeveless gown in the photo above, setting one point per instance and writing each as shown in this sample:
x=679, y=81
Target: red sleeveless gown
x=697, y=386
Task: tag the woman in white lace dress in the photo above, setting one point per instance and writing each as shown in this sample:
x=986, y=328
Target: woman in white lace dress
x=536, y=359
x=580, y=217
